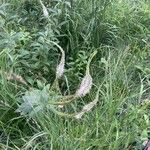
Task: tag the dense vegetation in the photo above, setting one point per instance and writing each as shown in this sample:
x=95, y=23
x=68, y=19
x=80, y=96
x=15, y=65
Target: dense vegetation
x=30, y=44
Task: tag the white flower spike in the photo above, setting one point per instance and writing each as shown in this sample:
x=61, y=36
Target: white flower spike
x=88, y=107
x=45, y=11
x=86, y=82
x=61, y=65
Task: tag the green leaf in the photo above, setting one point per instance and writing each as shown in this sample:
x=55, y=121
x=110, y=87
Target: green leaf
x=34, y=102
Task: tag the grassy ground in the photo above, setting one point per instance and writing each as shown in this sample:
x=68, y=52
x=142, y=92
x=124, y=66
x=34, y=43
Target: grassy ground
x=118, y=30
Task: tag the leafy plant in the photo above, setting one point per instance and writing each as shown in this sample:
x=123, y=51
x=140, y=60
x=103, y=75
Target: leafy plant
x=50, y=98
x=29, y=83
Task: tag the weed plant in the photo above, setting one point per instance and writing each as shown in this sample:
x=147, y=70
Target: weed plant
x=29, y=62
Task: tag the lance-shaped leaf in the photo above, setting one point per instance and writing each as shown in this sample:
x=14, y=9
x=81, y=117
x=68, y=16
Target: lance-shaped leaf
x=86, y=82
x=88, y=107
x=45, y=11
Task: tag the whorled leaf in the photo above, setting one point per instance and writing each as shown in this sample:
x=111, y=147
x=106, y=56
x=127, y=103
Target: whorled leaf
x=33, y=102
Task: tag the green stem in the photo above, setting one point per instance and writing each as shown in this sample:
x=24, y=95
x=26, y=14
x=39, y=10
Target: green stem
x=64, y=100
x=63, y=114
x=89, y=61
x=62, y=51
x=55, y=86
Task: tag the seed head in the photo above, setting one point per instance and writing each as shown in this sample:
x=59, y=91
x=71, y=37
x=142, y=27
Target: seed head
x=45, y=11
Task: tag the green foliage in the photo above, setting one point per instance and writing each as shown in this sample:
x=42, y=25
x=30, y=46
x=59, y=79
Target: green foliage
x=118, y=30
x=34, y=102
x=39, y=101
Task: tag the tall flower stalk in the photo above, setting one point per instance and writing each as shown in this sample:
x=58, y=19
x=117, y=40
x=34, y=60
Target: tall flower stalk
x=51, y=98
x=45, y=11
x=84, y=87
x=59, y=68
x=88, y=106
x=86, y=82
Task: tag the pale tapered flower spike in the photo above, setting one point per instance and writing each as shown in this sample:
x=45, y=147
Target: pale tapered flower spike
x=59, y=69
x=86, y=82
x=61, y=65
x=88, y=107
x=15, y=77
x=84, y=88
x=45, y=11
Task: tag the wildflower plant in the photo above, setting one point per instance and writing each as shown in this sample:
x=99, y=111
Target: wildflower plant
x=50, y=97
x=45, y=11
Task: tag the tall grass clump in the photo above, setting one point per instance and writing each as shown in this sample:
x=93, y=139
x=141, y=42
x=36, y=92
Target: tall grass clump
x=74, y=74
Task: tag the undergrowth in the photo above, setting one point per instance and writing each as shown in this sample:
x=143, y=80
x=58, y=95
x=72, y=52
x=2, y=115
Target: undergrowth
x=31, y=35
